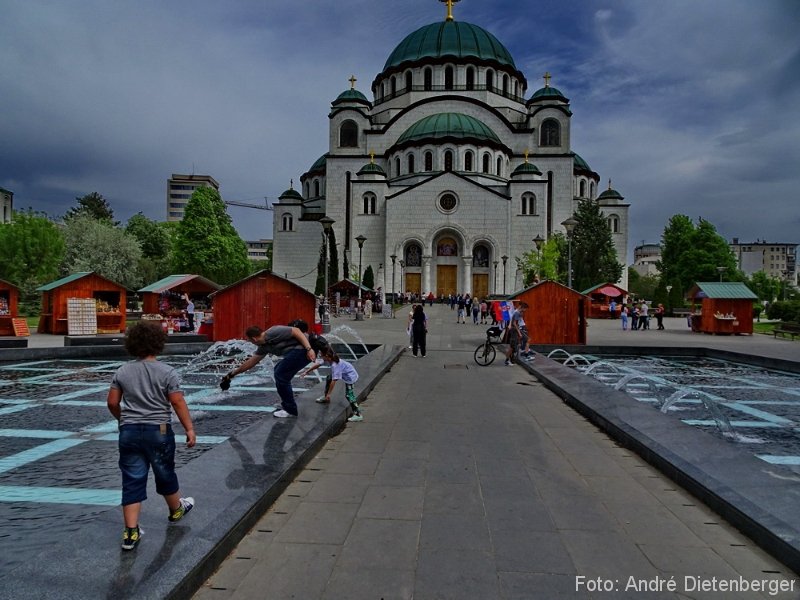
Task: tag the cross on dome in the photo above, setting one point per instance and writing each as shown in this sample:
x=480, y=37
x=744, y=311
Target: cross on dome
x=352, y=81
x=449, y=8
x=547, y=78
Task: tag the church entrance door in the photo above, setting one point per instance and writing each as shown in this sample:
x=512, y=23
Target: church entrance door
x=480, y=285
x=446, y=280
x=413, y=283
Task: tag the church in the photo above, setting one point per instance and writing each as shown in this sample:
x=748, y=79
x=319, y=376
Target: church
x=445, y=176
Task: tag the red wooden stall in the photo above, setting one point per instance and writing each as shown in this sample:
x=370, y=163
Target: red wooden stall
x=347, y=290
x=262, y=299
x=600, y=297
x=722, y=308
x=109, y=300
x=556, y=314
x=9, y=301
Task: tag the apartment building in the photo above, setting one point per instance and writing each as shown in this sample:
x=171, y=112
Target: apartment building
x=180, y=188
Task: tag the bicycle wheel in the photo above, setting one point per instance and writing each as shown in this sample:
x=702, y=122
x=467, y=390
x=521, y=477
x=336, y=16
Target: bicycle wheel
x=484, y=354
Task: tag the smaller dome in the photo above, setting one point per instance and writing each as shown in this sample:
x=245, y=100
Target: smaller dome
x=371, y=168
x=610, y=194
x=351, y=95
x=448, y=125
x=579, y=163
x=290, y=195
x=319, y=165
x=526, y=168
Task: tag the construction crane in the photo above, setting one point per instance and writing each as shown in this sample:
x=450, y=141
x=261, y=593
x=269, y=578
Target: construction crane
x=246, y=205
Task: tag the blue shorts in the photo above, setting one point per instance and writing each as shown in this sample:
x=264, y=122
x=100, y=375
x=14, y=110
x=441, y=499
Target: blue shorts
x=141, y=447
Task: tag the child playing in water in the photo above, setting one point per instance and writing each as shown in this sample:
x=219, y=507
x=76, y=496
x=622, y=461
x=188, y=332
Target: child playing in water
x=340, y=369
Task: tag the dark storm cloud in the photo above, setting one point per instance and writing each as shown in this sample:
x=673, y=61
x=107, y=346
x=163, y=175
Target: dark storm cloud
x=689, y=107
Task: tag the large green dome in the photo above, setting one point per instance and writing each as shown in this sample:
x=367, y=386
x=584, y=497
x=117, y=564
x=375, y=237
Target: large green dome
x=448, y=125
x=452, y=39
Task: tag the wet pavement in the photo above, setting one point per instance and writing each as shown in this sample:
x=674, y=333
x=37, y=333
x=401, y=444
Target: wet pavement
x=462, y=482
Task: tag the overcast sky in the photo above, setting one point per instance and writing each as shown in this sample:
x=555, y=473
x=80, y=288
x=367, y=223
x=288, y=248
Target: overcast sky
x=689, y=106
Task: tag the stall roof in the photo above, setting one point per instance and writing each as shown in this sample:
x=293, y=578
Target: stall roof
x=172, y=281
x=607, y=289
x=353, y=283
x=59, y=282
x=514, y=295
x=722, y=289
x=9, y=283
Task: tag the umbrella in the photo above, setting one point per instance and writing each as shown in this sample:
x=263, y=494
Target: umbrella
x=609, y=290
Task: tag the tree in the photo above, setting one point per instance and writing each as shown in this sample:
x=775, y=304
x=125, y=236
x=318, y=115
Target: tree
x=765, y=287
x=31, y=252
x=93, y=205
x=594, y=258
x=543, y=264
x=156, y=243
x=333, y=263
x=319, y=288
x=206, y=243
x=96, y=245
x=369, y=278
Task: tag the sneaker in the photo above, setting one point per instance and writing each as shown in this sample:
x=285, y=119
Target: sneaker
x=507, y=363
x=530, y=358
x=187, y=504
x=131, y=537
x=355, y=418
x=321, y=400
x=282, y=414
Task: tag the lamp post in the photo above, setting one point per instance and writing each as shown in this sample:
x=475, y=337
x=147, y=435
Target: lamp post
x=394, y=258
x=721, y=270
x=504, y=258
x=669, y=300
x=495, y=276
x=402, y=275
x=569, y=225
x=785, y=283
x=327, y=223
x=360, y=239
x=538, y=242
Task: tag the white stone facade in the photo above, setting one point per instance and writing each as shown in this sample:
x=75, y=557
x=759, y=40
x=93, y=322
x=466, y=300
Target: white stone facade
x=448, y=200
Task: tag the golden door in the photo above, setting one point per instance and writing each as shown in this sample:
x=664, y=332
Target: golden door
x=446, y=280
x=413, y=282
x=480, y=285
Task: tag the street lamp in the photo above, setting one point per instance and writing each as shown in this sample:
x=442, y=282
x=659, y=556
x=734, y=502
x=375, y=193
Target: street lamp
x=495, y=276
x=569, y=225
x=721, y=270
x=539, y=242
x=327, y=223
x=504, y=258
x=360, y=239
x=394, y=258
x=402, y=275
x=669, y=300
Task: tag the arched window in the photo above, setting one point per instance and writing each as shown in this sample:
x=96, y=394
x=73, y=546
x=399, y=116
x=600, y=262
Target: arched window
x=480, y=256
x=409, y=80
x=516, y=89
x=468, y=159
x=446, y=247
x=429, y=161
x=505, y=85
x=286, y=222
x=410, y=163
x=348, y=134
x=470, y=78
x=413, y=255
x=528, y=204
x=448, y=160
x=370, y=203
x=613, y=223
x=487, y=161
x=448, y=78
x=397, y=167
x=394, y=86
x=308, y=189
x=499, y=166
x=582, y=189
x=591, y=190
x=551, y=133
x=316, y=188
x=489, y=80
x=428, y=79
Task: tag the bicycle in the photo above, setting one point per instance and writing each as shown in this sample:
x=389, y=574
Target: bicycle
x=485, y=353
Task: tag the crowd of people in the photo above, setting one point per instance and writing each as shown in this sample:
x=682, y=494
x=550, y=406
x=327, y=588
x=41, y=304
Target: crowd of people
x=638, y=314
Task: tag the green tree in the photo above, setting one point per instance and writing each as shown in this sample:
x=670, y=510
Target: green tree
x=319, y=288
x=156, y=243
x=93, y=205
x=206, y=242
x=594, y=258
x=369, y=277
x=333, y=263
x=31, y=252
x=765, y=287
x=96, y=245
x=543, y=264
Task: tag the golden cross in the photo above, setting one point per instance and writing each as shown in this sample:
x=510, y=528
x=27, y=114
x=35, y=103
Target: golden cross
x=449, y=8
x=547, y=77
x=372, y=156
x=609, y=183
x=291, y=184
x=526, y=156
x=352, y=81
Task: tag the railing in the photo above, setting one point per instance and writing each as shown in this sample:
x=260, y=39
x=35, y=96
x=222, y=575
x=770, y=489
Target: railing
x=450, y=88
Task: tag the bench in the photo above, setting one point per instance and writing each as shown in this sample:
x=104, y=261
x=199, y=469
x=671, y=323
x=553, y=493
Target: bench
x=785, y=329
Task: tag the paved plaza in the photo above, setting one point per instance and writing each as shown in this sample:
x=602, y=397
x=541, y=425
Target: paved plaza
x=462, y=482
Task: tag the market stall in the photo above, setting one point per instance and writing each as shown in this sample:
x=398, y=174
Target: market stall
x=722, y=308
x=347, y=289
x=9, y=298
x=556, y=314
x=83, y=303
x=168, y=300
x=601, y=296
x=262, y=299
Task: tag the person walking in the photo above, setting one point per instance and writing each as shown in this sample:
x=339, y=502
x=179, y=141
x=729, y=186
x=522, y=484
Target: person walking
x=419, y=330
x=476, y=311
x=461, y=302
x=623, y=314
x=514, y=333
x=644, y=316
x=142, y=397
x=660, y=317
x=291, y=343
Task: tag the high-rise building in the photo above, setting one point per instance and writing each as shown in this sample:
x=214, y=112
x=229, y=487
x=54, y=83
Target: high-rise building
x=180, y=189
x=778, y=260
x=6, y=205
